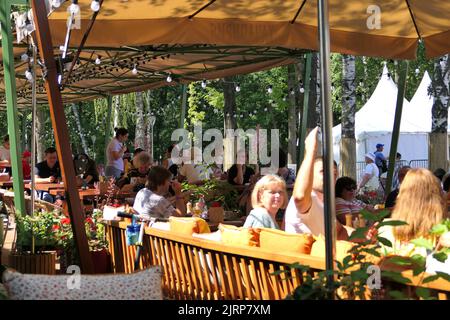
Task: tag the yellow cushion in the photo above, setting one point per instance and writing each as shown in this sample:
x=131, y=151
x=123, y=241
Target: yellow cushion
x=188, y=226
x=239, y=236
x=342, y=248
x=280, y=241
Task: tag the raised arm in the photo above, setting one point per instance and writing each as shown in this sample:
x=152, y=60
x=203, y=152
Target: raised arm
x=304, y=181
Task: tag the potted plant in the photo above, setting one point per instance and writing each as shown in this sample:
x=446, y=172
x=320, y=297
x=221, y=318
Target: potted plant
x=98, y=246
x=35, y=245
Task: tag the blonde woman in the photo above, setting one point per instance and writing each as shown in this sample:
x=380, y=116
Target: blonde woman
x=268, y=196
x=420, y=203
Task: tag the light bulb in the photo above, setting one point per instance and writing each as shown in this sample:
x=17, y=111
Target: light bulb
x=169, y=78
x=417, y=71
x=98, y=60
x=56, y=3
x=29, y=75
x=74, y=8
x=265, y=109
x=135, y=70
x=292, y=91
x=269, y=89
x=302, y=89
x=24, y=57
x=204, y=84
x=242, y=115
x=95, y=5
x=238, y=88
x=234, y=115
x=59, y=78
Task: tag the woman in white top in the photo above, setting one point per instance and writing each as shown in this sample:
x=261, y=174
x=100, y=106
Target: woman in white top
x=115, y=152
x=268, y=196
x=370, y=180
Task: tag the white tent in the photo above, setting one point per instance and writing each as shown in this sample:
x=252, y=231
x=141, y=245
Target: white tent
x=375, y=120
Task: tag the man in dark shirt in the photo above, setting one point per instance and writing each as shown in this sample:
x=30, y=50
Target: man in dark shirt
x=240, y=174
x=48, y=171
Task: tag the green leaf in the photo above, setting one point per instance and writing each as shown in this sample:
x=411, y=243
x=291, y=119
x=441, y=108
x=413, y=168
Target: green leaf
x=385, y=241
x=395, y=276
x=443, y=275
x=440, y=256
x=439, y=229
x=383, y=214
x=401, y=261
x=423, y=293
x=371, y=251
x=359, y=275
x=391, y=223
x=422, y=242
x=369, y=216
x=397, y=295
x=430, y=279
x=359, y=233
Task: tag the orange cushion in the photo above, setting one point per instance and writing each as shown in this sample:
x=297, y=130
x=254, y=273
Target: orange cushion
x=280, y=241
x=342, y=248
x=188, y=226
x=239, y=236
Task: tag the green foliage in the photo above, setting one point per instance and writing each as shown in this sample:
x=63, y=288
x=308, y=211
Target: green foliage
x=214, y=191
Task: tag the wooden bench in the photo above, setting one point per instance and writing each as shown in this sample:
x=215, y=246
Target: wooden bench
x=204, y=269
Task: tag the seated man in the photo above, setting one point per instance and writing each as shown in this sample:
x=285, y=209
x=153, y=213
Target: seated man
x=86, y=168
x=136, y=178
x=48, y=171
x=150, y=200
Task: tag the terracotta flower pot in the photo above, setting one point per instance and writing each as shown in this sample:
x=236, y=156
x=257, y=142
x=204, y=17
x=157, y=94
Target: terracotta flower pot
x=101, y=260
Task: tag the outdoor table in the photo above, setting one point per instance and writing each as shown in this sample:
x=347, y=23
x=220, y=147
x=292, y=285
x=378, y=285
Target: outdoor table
x=9, y=183
x=45, y=186
x=92, y=192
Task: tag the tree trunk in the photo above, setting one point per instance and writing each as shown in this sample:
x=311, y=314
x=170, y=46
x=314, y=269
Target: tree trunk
x=116, y=108
x=76, y=114
x=229, y=95
x=139, y=140
x=440, y=87
x=347, y=164
x=40, y=127
x=314, y=94
x=292, y=114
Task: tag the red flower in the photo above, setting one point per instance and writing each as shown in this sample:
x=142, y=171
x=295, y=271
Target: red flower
x=89, y=220
x=65, y=221
x=215, y=204
x=55, y=227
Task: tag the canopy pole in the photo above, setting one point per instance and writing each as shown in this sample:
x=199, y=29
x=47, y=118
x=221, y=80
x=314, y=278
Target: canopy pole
x=108, y=126
x=396, y=128
x=327, y=146
x=44, y=41
x=304, y=119
x=11, y=103
x=183, y=105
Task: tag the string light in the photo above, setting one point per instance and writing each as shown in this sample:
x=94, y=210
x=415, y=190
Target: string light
x=98, y=60
x=95, y=5
x=56, y=3
x=203, y=84
x=302, y=89
x=291, y=91
x=361, y=83
x=238, y=88
x=29, y=74
x=269, y=89
x=74, y=7
x=24, y=57
x=135, y=70
x=169, y=78
x=417, y=71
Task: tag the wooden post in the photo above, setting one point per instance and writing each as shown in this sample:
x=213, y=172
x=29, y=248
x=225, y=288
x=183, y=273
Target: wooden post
x=396, y=129
x=59, y=122
x=11, y=103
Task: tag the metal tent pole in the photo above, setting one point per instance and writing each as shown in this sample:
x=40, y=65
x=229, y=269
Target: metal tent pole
x=327, y=124
x=11, y=103
x=396, y=128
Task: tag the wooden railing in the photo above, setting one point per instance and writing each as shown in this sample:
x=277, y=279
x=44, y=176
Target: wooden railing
x=203, y=269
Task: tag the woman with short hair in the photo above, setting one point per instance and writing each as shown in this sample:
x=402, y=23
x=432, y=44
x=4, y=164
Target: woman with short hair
x=269, y=195
x=150, y=200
